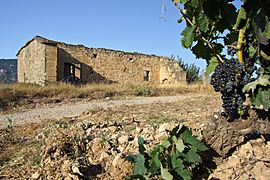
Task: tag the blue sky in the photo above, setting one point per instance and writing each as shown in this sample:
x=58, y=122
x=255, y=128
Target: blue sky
x=133, y=26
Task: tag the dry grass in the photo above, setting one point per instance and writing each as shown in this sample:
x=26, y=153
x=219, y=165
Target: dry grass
x=16, y=95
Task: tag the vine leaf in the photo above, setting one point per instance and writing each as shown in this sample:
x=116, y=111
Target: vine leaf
x=267, y=29
x=211, y=65
x=165, y=174
x=201, y=51
x=203, y=22
x=192, y=140
x=139, y=165
x=179, y=145
x=261, y=100
x=141, y=145
x=184, y=173
x=262, y=81
x=155, y=162
x=251, y=51
x=231, y=38
x=241, y=19
x=176, y=162
x=192, y=156
x=188, y=36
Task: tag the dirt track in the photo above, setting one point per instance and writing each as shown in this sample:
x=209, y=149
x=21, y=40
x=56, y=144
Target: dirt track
x=75, y=109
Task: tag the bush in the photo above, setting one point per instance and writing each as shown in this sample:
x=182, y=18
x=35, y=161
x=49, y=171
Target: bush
x=142, y=91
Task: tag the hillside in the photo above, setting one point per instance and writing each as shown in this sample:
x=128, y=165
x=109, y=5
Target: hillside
x=8, y=70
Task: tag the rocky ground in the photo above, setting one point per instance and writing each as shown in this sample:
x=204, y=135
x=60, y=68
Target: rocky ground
x=95, y=144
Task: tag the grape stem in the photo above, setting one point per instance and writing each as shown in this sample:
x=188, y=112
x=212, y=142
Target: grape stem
x=239, y=45
x=240, y=42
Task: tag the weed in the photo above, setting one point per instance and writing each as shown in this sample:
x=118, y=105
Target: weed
x=141, y=90
x=36, y=160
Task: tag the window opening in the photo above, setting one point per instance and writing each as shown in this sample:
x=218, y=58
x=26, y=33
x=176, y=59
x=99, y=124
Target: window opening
x=146, y=75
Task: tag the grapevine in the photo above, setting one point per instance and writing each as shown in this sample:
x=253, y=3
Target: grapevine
x=243, y=74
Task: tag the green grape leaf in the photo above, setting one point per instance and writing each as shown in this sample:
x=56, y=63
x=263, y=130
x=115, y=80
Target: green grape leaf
x=194, y=3
x=176, y=162
x=188, y=36
x=251, y=51
x=139, y=167
x=203, y=22
x=184, y=173
x=263, y=80
x=211, y=8
x=192, y=156
x=165, y=174
x=192, y=140
x=267, y=29
x=230, y=14
x=141, y=145
x=212, y=64
x=231, y=38
x=138, y=176
x=131, y=158
x=261, y=100
x=166, y=143
x=155, y=164
x=201, y=51
x=180, y=145
x=241, y=19
x=183, y=1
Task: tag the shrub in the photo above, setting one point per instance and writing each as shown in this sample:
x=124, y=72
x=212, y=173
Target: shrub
x=140, y=90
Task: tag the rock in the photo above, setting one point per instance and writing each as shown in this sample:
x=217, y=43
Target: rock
x=117, y=161
x=103, y=155
x=123, y=139
x=164, y=127
x=112, y=129
x=36, y=175
x=216, y=116
x=96, y=145
x=75, y=169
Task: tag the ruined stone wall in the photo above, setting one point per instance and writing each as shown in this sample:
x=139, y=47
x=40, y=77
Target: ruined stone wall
x=171, y=72
x=51, y=63
x=43, y=61
x=31, y=63
x=99, y=65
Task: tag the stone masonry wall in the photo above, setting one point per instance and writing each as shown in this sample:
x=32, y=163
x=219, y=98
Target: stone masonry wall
x=51, y=63
x=31, y=63
x=44, y=61
x=107, y=65
x=171, y=72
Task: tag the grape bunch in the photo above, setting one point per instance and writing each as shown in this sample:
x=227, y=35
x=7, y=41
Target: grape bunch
x=229, y=78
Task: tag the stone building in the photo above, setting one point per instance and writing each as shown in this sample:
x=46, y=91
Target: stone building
x=42, y=61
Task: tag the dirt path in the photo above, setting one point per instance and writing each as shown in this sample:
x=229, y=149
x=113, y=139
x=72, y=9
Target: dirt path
x=75, y=109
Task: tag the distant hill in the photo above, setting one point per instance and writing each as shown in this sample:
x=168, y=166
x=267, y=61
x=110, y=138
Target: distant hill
x=8, y=70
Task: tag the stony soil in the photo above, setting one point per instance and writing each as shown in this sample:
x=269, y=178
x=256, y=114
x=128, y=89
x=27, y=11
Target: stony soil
x=95, y=144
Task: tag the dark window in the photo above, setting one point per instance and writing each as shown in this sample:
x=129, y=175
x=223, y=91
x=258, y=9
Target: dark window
x=69, y=70
x=94, y=55
x=146, y=75
x=130, y=59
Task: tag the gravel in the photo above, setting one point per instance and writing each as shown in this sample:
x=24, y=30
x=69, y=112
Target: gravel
x=75, y=109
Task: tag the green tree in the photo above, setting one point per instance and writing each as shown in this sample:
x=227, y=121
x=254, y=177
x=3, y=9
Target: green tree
x=192, y=71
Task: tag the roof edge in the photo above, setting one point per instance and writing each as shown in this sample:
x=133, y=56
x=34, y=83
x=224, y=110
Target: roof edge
x=40, y=39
